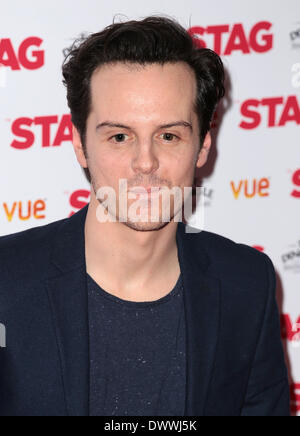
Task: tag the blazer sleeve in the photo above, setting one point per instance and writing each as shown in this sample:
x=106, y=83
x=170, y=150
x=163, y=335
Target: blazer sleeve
x=268, y=392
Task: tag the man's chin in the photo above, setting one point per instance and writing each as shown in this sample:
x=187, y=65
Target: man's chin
x=144, y=226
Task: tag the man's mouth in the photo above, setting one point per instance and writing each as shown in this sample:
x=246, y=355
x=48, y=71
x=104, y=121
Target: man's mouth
x=145, y=191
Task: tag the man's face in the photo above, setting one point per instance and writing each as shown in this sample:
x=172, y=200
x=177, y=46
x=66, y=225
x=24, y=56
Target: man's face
x=143, y=153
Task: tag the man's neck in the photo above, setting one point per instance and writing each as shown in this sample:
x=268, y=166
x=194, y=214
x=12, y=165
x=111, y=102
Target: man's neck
x=133, y=265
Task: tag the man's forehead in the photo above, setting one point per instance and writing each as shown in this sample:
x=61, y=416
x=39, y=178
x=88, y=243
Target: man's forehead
x=139, y=93
x=117, y=70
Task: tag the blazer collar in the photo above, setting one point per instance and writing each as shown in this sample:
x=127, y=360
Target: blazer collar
x=68, y=298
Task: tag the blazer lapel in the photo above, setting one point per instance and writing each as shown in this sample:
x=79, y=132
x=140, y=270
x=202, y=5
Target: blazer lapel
x=68, y=299
x=202, y=304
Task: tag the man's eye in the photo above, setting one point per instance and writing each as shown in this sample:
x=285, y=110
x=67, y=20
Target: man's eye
x=170, y=136
x=119, y=137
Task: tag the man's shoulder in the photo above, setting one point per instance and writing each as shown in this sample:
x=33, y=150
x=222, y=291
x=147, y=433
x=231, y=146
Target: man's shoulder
x=233, y=260
x=29, y=236
x=27, y=247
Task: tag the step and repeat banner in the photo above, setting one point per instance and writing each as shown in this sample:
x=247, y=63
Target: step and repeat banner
x=252, y=180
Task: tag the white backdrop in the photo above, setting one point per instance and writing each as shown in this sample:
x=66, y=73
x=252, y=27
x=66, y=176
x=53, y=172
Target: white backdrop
x=253, y=177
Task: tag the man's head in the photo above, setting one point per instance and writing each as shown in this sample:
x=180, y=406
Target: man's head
x=142, y=75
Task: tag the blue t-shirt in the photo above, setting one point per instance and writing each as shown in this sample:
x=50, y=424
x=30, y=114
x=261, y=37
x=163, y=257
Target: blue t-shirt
x=137, y=354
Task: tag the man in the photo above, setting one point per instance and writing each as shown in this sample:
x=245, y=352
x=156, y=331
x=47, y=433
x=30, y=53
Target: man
x=134, y=317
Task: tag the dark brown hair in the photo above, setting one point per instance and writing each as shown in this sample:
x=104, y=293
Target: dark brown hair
x=154, y=39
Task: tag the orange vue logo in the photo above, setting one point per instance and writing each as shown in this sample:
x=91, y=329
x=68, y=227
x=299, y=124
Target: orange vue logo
x=250, y=188
x=24, y=211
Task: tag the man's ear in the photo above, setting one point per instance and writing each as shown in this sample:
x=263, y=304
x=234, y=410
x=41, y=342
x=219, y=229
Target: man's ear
x=78, y=148
x=203, y=154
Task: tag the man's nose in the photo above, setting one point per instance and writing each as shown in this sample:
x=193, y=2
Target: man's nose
x=145, y=159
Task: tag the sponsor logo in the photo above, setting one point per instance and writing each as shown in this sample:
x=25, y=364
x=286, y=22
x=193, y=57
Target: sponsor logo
x=275, y=111
x=53, y=131
x=291, y=258
x=250, y=188
x=28, y=55
x=227, y=39
x=296, y=181
x=24, y=211
x=79, y=199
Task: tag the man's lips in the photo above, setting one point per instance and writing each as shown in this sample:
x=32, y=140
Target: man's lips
x=140, y=190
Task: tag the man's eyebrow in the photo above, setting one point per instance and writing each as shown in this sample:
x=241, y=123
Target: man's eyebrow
x=162, y=126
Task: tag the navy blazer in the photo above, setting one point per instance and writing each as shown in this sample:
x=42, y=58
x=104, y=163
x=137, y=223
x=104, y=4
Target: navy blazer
x=235, y=359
